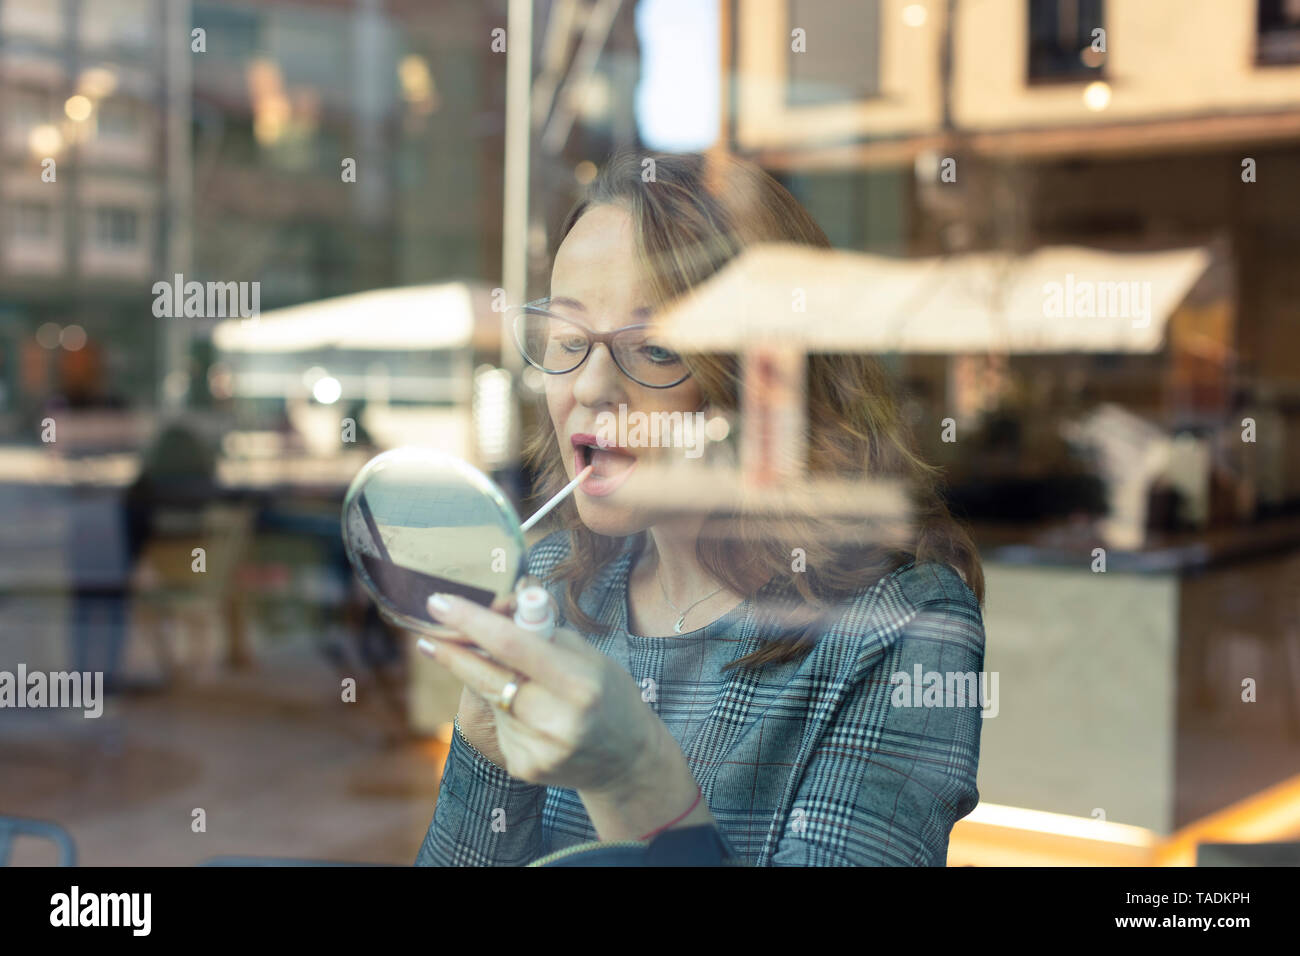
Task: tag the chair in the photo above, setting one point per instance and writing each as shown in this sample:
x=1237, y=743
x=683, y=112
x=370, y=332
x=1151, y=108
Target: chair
x=165, y=587
x=13, y=827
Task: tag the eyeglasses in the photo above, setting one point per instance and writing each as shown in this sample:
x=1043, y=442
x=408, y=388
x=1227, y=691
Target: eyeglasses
x=557, y=344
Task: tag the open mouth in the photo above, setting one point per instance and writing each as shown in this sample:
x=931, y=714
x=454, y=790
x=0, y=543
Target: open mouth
x=612, y=464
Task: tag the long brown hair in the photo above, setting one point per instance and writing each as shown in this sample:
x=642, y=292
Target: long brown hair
x=695, y=213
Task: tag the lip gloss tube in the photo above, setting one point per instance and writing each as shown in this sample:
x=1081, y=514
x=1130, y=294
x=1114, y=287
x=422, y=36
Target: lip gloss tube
x=534, y=612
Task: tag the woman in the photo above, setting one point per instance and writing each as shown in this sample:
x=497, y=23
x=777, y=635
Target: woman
x=700, y=676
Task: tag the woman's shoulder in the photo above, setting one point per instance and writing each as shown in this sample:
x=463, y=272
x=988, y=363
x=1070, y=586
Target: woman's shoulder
x=931, y=582
x=912, y=585
x=916, y=598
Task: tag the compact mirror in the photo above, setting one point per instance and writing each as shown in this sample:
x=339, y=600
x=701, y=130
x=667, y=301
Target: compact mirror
x=417, y=521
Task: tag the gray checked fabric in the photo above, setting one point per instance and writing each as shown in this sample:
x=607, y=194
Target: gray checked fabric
x=828, y=761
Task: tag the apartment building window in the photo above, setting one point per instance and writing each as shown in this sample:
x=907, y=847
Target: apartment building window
x=842, y=61
x=1061, y=40
x=1277, y=28
x=31, y=19
x=31, y=221
x=116, y=227
x=121, y=24
x=29, y=108
x=118, y=119
x=233, y=34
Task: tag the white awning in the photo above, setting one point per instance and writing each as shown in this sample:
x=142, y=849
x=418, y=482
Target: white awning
x=1056, y=299
x=410, y=318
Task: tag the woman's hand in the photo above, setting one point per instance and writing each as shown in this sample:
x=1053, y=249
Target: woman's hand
x=578, y=719
x=477, y=716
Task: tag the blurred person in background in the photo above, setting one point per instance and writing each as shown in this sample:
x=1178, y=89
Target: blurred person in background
x=168, y=499
x=177, y=476
x=697, y=681
x=107, y=534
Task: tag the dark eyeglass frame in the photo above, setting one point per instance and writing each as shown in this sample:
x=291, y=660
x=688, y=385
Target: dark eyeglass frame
x=593, y=338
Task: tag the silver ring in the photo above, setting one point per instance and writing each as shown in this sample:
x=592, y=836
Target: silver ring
x=506, y=701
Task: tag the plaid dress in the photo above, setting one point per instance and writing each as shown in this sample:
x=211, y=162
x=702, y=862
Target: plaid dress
x=832, y=760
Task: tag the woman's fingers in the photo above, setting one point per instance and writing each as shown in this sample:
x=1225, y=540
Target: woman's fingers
x=535, y=706
x=513, y=647
x=505, y=604
x=570, y=640
x=441, y=632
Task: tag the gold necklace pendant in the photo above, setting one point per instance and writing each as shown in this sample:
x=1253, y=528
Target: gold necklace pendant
x=681, y=621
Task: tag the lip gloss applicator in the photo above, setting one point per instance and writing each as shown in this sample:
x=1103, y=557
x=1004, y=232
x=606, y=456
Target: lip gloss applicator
x=533, y=611
x=567, y=490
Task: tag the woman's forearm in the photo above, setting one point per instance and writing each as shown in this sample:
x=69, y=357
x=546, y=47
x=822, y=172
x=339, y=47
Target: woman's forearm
x=662, y=790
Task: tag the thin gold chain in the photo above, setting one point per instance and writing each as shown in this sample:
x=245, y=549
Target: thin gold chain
x=681, y=620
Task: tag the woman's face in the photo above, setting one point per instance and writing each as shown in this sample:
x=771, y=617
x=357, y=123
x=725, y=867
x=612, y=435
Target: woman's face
x=600, y=283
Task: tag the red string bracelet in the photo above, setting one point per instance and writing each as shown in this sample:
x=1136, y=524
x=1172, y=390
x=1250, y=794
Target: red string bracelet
x=699, y=795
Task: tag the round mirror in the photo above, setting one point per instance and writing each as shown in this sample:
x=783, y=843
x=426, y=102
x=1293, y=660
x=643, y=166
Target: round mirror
x=417, y=521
